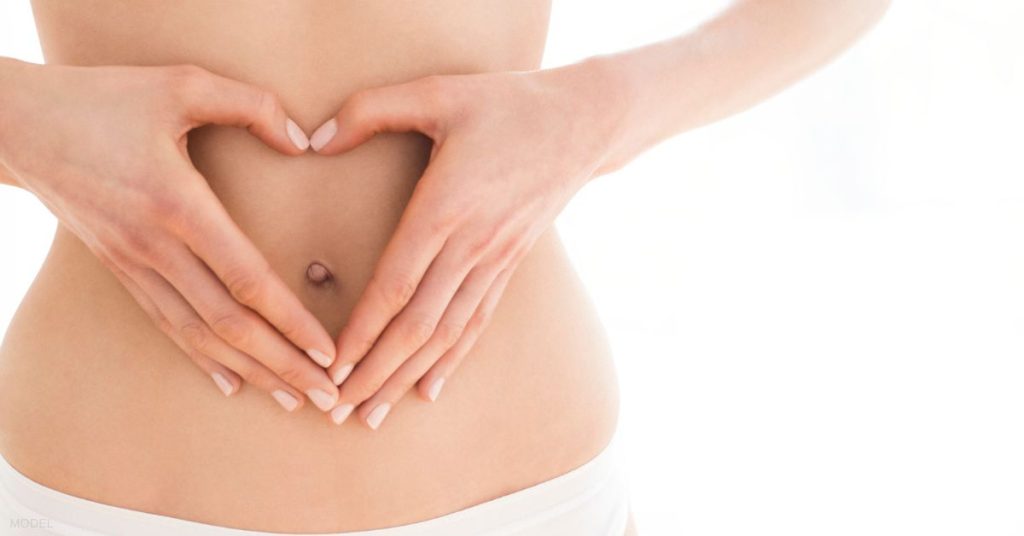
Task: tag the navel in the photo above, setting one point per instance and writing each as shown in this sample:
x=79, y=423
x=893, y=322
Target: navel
x=318, y=274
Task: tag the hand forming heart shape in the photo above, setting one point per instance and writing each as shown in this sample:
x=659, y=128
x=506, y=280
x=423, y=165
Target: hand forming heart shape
x=508, y=155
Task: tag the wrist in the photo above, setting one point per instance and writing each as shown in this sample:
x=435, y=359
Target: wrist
x=608, y=95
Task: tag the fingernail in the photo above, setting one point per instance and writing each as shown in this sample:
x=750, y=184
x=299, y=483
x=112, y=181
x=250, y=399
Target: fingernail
x=435, y=389
x=377, y=415
x=322, y=400
x=340, y=413
x=342, y=373
x=321, y=358
x=324, y=134
x=286, y=400
x=222, y=383
x=296, y=134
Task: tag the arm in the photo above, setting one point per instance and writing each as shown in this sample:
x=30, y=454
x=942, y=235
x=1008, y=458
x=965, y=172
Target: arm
x=748, y=53
x=511, y=149
x=6, y=178
x=7, y=67
x=103, y=148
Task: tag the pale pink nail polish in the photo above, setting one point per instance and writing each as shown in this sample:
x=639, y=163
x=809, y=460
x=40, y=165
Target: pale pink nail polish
x=222, y=383
x=342, y=373
x=324, y=134
x=321, y=358
x=377, y=415
x=296, y=134
x=287, y=401
x=340, y=413
x=435, y=389
x=321, y=399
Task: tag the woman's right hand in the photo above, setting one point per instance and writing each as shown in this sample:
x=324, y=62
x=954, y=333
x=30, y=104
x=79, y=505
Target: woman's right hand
x=104, y=148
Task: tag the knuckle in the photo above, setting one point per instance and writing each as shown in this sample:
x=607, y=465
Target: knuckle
x=186, y=80
x=137, y=243
x=363, y=344
x=245, y=284
x=180, y=218
x=417, y=332
x=478, y=245
x=195, y=336
x=365, y=388
x=163, y=207
x=444, y=221
x=435, y=91
x=395, y=291
x=508, y=250
x=290, y=373
x=163, y=324
x=117, y=256
x=356, y=106
x=448, y=333
x=256, y=375
x=234, y=328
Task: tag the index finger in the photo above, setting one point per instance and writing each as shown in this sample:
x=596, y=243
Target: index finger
x=417, y=240
x=212, y=98
x=216, y=239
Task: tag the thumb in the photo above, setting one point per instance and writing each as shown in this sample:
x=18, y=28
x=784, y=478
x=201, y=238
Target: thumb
x=214, y=99
x=412, y=106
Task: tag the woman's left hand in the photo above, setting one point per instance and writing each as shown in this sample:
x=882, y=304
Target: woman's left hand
x=510, y=150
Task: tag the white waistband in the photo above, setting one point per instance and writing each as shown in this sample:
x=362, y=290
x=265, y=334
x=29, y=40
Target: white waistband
x=590, y=500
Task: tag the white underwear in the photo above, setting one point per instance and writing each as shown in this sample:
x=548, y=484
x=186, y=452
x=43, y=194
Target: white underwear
x=591, y=500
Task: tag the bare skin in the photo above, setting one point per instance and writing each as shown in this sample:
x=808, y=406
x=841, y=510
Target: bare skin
x=98, y=403
x=114, y=412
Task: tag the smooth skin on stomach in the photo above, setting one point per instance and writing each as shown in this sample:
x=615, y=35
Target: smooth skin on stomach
x=95, y=401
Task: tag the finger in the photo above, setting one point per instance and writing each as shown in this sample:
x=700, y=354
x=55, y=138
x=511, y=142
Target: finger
x=211, y=98
x=225, y=379
x=458, y=314
x=411, y=328
x=215, y=238
x=432, y=382
x=396, y=277
x=240, y=327
x=199, y=339
x=412, y=106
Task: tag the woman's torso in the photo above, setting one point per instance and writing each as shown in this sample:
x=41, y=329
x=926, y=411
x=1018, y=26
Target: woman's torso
x=96, y=402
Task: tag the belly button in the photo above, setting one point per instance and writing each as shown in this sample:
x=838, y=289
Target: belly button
x=318, y=274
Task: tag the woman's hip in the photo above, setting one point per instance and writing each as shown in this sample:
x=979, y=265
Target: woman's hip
x=589, y=500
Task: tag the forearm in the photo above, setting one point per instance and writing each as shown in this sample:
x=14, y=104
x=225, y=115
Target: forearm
x=746, y=54
x=7, y=178
x=9, y=69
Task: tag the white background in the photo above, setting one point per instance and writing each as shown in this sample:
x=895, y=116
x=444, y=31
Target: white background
x=816, y=305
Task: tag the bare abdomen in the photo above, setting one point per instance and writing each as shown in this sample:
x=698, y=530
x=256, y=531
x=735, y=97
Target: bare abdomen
x=96, y=402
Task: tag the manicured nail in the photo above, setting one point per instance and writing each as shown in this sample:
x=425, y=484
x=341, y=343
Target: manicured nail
x=324, y=134
x=435, y=389
x=222, y=383
x=340, y=413
x=377, y=415
x=286, y=400
x=296, y=134
x=322, y=400
x=321, y=358
x=342, y=373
